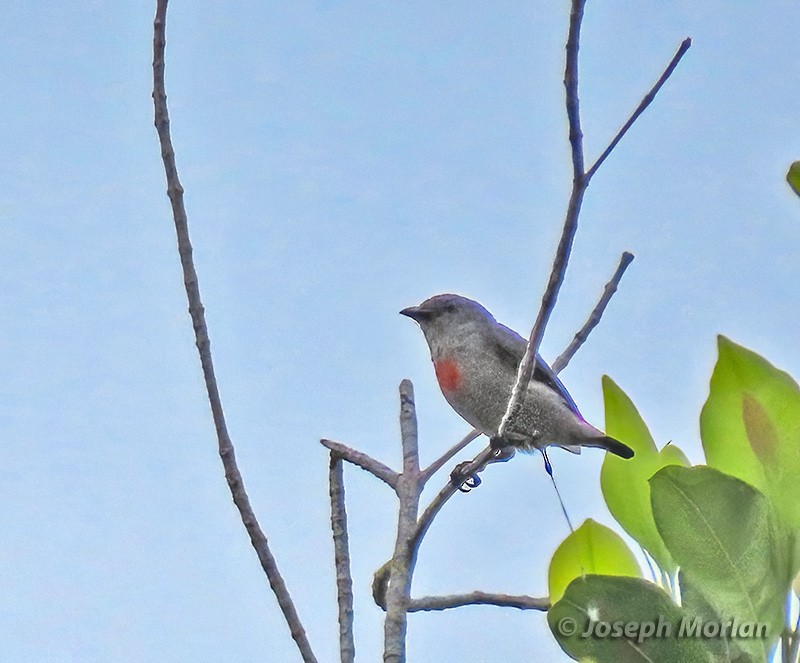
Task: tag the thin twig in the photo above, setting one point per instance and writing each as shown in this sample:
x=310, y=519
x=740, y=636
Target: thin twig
x=580, y=338
x=648, y=99
x=523, y=602
x=341, y=553
x=226, y=451
x=401, y=566
x=436, y=465
x=571, y=85
x=525, y=370
x=365, y=462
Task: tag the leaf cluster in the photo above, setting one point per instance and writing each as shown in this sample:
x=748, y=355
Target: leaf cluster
x=720, y=539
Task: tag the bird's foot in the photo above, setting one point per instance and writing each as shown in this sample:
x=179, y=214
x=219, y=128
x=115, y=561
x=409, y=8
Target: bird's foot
x=465, y=480
x=462, y=480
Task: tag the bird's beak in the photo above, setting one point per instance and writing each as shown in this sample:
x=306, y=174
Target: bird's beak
x=413, y=312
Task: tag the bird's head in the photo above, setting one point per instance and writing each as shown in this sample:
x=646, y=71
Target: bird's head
x=447, y=318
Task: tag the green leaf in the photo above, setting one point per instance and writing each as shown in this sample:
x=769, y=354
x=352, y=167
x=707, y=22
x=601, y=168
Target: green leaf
x=725, y=648
x=672, y=455
x=625, y=482
x=793, y=177
x=623, y=421
x=593, y=602
x=592, y=548
x=750, y=426
x=723, y=533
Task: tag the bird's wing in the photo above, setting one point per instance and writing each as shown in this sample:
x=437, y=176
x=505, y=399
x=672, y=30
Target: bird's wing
x=511, y=347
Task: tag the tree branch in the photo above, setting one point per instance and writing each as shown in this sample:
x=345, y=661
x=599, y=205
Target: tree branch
x=648, y=99
x=196, y=311
x=579, y=183
x=571, y=85
x=401, y=566
x=365, y=462
x=523, y=602
x=608, y=292
x=436, y=465
x=341, y=552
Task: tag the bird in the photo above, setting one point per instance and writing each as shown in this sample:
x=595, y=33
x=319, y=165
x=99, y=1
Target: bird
x=475, y=360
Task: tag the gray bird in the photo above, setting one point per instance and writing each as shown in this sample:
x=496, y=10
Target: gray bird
x=476, y=360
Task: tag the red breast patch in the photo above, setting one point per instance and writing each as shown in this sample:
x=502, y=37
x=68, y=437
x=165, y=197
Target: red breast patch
x=447, y=374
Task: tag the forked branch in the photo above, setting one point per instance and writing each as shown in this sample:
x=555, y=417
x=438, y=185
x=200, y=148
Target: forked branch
x=580, y=181
x=643, y=104
x=364, y=461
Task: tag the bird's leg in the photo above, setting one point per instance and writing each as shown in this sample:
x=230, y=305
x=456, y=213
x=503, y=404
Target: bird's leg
x=503, y=449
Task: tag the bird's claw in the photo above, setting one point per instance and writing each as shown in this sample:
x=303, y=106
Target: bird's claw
x=463, y=481
x=471, y=482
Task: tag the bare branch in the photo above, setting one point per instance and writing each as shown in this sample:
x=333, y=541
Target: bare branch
x=436, y=465
x=341, y=552
x=571, y=85
x=648, y=99
x=401, y=566
x=608, y=292
x=196, y=311
x=408, y=431
x=365, y=462
x=523, y=602
x=579, y=183
x=525, y=370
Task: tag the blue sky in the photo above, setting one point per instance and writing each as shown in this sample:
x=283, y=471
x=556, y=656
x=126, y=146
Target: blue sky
x=343, y=160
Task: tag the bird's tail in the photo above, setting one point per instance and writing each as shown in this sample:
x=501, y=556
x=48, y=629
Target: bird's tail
x=614, y=446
